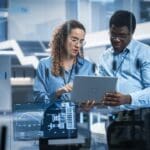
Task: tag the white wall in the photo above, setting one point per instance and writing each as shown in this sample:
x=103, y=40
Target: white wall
x=84, y=14
x=97, y=42
x=34, y=19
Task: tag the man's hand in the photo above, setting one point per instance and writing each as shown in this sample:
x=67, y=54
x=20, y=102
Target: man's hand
x=116, y=99
x=65, y=89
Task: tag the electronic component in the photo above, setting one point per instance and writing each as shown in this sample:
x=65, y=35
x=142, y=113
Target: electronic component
x=60, y=121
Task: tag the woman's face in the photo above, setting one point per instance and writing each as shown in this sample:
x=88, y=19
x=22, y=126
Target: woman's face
x=74, y=42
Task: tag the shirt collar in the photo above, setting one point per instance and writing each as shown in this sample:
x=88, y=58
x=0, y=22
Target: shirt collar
x=80, y=60
x=129, y=47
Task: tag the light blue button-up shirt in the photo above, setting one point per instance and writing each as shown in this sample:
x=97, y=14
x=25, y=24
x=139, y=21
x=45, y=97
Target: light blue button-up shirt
x=132, y=67
x=46, y=84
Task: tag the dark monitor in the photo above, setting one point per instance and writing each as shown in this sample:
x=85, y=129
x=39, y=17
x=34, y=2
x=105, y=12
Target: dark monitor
x=3, y=131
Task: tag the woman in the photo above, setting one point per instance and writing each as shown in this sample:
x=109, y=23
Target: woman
x=55, y=74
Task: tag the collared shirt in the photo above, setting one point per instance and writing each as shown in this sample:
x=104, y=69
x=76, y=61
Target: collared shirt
x=46, y=84
x=132, y=67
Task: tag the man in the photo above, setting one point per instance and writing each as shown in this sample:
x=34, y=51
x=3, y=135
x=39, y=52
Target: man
x=127, y=59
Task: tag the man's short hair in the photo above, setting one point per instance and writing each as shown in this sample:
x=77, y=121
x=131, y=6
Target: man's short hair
x=123, y=18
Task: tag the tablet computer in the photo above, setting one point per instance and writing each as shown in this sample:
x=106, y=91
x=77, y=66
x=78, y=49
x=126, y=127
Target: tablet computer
x=92, y=88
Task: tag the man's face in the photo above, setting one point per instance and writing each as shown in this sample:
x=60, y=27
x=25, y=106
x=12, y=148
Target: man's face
x=120, y=37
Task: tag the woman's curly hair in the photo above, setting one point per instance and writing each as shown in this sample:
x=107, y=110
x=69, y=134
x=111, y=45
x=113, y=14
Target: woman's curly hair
x=58, y=49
